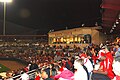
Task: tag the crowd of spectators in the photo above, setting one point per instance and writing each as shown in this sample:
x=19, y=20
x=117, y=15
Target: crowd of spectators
x=93, y=62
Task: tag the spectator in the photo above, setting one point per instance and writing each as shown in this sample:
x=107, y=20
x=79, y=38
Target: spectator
x=65, y=75
x=53, y=71
x=101, y=52
x=46, y=74
x=105, y=69
x=80, y=74
x=118, y=50
x=33, y=66
x=116, y=69
x=24, y=75
x=38, y=74
x=87, y=63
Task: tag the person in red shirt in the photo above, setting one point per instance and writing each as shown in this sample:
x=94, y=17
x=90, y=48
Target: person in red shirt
x=106, y=68
x=108, y=53
x=106, y=64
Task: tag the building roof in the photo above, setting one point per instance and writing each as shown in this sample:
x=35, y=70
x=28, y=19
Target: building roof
x=111, y=16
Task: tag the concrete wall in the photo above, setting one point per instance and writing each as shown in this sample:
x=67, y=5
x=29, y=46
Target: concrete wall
x=95, y=36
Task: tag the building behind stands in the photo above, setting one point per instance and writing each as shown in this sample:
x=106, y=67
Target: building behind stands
x=77, y=36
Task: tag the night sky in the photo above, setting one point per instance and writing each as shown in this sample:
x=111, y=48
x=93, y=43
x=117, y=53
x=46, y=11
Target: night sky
x=45, y=15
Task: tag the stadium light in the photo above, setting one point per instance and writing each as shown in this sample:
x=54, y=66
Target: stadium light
x=4, y=22
x=5, y=0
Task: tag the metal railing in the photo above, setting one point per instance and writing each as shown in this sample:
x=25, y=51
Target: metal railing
x=30, y=73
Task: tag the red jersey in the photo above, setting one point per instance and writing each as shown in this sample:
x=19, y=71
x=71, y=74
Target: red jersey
x=109, y=55
x=107, y=67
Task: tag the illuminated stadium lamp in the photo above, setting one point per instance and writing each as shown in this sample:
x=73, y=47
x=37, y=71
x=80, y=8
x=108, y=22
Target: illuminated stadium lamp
x=111, y=31
x=96, y=24
x=114, y=25
x=117, y=22
x=113, y=28
x=4, y=22
x=5, y=0
x=83, y=24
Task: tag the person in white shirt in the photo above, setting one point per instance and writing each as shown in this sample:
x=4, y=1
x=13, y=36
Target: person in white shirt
x=87, y=63
x=24, y=75
x=116, y=68
x=80, y=74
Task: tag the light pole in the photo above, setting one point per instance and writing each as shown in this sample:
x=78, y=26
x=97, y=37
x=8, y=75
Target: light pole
x=4, y=16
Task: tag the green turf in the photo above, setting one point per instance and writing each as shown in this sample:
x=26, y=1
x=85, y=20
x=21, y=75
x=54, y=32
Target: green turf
x=3, y=68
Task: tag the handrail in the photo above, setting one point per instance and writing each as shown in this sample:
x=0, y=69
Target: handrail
x=18, y=76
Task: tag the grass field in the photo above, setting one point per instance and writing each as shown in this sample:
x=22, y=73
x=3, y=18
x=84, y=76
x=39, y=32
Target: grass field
x=3, y=68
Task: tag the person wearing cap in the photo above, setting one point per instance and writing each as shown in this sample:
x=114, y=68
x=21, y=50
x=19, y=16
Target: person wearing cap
x=46, y=74
x=87, y=63
x=80, y=73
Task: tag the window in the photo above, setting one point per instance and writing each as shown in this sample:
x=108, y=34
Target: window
x=81, y=38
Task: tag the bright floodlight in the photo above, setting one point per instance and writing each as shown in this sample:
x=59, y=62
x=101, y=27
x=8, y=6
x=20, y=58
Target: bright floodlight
x=5, y=0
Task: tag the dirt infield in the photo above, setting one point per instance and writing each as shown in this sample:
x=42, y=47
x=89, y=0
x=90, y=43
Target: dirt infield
x=12, y=65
